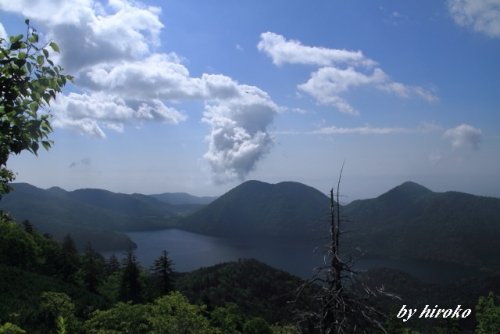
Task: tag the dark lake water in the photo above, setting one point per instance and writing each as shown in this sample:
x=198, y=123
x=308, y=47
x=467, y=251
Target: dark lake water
x=190, y=251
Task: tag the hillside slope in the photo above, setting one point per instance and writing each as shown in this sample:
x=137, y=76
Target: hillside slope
x=412, y=221
x=254, y=208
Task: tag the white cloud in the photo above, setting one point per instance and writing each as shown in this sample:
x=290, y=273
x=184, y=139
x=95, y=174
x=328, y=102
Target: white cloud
x=3, y=32
x=363, y=130
x=239, y=135
x=120, y=78
x=90, y=33
x=327, y=84
x=481, y=15
x=157, y=76
x=89, y=113
x=464, y=136
x=284, y=51
x=339, y=72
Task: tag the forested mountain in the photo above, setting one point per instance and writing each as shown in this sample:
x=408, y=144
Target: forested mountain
x=409, y=221
x=183, y=198
x=90, y=215
x=413, y=222
x=254, y=208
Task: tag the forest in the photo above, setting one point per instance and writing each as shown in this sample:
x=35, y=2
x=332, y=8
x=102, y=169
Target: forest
x=49, y=287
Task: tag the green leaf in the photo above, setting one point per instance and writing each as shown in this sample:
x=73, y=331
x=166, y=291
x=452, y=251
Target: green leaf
x=40, y=60
x=15, y=39
x=46, y=144
x=54, y=46
x=33, y=38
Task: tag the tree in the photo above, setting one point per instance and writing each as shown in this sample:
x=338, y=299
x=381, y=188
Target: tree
x=340, y=310
x=130, y=287
x=487, y=315
x=57, y=311
x=92, y=268
x=162, y=273
x=29, y=81
x=112, y=265
x=257, y=326
x=69, y=260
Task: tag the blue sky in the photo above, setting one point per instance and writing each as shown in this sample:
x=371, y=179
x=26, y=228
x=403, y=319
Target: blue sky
x=197, y=96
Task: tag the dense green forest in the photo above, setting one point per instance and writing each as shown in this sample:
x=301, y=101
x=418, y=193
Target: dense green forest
x=49, y=287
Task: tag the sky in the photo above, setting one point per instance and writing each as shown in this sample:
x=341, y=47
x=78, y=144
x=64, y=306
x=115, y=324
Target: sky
x=198, y=96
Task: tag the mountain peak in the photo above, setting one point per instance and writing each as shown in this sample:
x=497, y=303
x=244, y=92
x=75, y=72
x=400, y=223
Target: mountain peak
x=406, y=190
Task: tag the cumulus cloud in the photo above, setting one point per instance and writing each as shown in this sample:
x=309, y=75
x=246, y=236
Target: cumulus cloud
x=339, y=72
x=480, y=15
x=239, y=136
x=89, y=32
x=464, y=136
x=89, y=113
x=120, y=78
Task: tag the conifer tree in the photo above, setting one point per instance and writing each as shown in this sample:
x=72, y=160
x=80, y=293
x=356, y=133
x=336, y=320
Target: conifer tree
x=162, y=273
x=70, y=260
x=130, y=287
x=92, y=268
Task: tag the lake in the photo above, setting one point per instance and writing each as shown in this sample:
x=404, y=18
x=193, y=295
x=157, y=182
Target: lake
x=190, y=251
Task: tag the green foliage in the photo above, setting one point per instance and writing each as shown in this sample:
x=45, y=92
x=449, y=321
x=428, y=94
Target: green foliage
x=57, y=311
x=9, y=328
x=60, y=325
x=258, y=290
x=131, y=287
x=161, y=274
x=173, y=314
x=29, y=81
x=17, y=247
x=257, y=326
x=487, y=315
x=122, y=318
x=92, y=268
x=228, y=318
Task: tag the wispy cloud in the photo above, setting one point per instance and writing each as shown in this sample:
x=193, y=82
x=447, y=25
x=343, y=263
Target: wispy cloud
x=283, y=51
x=85, y=162
x=363, y=130
x=340, y=71
x=480, y=15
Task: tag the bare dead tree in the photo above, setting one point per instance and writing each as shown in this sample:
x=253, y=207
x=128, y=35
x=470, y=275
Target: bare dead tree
x=341, y=309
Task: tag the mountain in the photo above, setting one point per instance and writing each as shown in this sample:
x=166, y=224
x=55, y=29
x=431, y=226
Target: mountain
x=407, y=222
x=412, y=221
x=94, y=215
x=183, y=198
x=254, y=208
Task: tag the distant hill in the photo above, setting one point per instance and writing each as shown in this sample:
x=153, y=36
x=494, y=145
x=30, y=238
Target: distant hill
x=183, y=198
x=94, y=215
x=254, y=208
x=412, y=221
